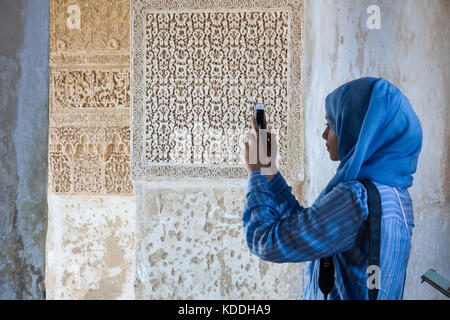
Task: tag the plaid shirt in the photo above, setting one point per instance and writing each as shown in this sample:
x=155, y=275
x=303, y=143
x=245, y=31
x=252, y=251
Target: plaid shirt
x=278, y=229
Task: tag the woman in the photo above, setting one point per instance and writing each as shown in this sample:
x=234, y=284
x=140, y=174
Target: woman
x=375, y=134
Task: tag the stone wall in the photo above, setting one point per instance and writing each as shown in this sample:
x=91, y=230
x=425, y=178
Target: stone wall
x=190, y=245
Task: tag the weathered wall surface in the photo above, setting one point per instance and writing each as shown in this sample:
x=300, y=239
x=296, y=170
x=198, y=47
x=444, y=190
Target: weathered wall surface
x=410, y=52
x=90, y=247
x=190, y=245
x=24, y=42
x=90, y=251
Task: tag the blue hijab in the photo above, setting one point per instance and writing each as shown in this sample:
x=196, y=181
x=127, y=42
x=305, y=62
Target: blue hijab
x=379, y=135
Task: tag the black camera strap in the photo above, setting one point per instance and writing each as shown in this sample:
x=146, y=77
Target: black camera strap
x=326, y=268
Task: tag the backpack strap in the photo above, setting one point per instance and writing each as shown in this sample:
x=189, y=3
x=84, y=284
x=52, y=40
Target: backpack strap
x=326, y=268
x=374, y=204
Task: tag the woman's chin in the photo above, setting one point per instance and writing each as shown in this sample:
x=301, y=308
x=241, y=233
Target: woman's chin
x=332, y=158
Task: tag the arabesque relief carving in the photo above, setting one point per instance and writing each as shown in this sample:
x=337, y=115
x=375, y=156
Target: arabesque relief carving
x=198, y=68
x=90, y=88
x=90, y=159
x=89, y=149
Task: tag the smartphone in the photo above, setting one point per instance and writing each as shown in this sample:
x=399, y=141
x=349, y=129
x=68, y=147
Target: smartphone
x=262, y=123
x=260, y=116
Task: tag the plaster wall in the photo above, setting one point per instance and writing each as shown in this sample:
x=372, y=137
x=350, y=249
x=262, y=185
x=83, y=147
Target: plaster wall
x=190, y=245
x=24, y=43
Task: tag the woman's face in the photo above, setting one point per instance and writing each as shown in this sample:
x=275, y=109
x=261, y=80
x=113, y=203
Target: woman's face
x=332, y=142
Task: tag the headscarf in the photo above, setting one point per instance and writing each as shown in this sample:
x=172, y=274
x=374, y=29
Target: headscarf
x=379, y=135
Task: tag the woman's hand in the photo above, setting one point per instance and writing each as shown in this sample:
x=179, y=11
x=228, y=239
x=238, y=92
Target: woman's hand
x=262, y=141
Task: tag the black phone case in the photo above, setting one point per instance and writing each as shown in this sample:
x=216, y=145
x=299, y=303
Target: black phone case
x=262, y=124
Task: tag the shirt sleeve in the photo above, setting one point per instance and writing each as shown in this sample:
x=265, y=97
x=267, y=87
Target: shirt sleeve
x=282, y=193
x=278, y=229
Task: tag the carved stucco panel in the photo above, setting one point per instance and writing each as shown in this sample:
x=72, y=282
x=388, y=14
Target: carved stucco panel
x=82, y=88
x=198, y=67
x=89, y=159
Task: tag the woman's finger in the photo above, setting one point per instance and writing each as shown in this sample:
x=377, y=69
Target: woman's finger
x=255, y=126
x=250, y=137
x=244, y=149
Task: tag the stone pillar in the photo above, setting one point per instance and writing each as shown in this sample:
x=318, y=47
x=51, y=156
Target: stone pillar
x=91, y=205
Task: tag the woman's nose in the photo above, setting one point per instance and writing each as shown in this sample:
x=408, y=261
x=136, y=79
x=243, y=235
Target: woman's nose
x=325, y=134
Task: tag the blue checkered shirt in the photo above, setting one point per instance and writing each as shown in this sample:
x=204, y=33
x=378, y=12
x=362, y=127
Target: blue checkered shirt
x=278, y=229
